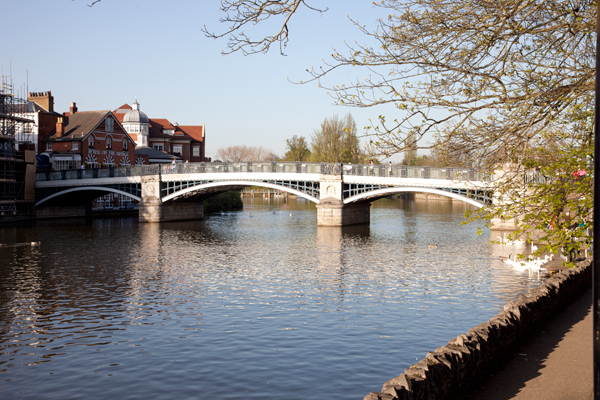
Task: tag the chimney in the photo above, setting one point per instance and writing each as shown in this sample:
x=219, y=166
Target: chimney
x=60, y=127
x=73, y=108
x=42, y=99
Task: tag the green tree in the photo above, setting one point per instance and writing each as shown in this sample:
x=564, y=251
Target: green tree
x=336, y=141
x=296, y=149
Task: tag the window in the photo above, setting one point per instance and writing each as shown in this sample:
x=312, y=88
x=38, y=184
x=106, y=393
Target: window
x=196, y=151
x=48, y=146
x=91, y=142
x=74, y=145
x=178, y=149
x=64, y=165
x=108, y=143
x=158, y=147
x=125, y=145
x=110, y=125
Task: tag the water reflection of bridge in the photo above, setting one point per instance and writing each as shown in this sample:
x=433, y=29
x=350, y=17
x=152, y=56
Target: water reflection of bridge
x=342, y=192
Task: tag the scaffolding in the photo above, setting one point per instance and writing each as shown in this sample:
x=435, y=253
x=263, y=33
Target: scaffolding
x=17, y=168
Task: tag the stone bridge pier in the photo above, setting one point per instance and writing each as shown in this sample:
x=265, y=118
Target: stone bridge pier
x=152, y=209
x=331, y=210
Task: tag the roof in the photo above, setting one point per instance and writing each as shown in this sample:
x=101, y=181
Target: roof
x=155, y=154
x=123, y=109
x=196, y=132
x=80, y=124
x=28, y=107
x=158, y=125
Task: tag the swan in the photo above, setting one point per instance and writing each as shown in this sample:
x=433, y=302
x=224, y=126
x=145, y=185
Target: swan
x=533, y=247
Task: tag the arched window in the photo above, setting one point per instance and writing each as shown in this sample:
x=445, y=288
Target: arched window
x=125, y=144
x=108, y=143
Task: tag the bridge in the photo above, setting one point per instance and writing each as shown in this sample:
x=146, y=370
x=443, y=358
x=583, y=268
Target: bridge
x=167, y=192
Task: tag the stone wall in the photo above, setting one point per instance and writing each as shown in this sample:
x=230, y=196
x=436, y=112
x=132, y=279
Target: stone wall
x=62, y=212
x=452, y=371
x=170, y=211
x=332, y=212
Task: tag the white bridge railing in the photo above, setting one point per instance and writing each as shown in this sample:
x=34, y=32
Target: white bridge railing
x=398, y=171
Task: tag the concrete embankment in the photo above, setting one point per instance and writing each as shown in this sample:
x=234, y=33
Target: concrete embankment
x=454, y=370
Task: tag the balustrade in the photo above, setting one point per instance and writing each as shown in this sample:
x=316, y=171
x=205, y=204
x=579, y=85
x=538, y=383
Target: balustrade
x=378, y=170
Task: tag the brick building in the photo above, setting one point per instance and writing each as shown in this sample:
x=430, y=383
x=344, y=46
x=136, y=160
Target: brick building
x=158, y=135
x=94, y=139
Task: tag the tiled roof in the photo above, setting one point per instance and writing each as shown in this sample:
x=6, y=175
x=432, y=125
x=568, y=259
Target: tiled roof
x=156, y=127
x=196, y=132
x=119, y=117
x=80, y=125
x=123, y=109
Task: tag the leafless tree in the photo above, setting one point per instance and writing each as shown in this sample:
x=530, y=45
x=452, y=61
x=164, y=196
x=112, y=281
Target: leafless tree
x=242, y=153
x=240, y=14
x=336, y=141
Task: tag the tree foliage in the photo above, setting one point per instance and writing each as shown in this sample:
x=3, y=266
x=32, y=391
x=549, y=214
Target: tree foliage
x=336, y=141
x=296, y=149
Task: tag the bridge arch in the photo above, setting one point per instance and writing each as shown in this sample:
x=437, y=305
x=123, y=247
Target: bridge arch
x=380, y=193
x=90, y=189
x=236, y=184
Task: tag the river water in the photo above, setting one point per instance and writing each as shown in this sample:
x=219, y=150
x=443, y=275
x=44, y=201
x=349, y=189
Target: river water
x=256, y=304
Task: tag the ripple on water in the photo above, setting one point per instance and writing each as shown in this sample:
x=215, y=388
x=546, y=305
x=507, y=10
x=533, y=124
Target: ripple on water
x=242, y=307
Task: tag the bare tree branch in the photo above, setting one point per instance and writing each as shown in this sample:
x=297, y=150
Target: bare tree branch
x=243, y=13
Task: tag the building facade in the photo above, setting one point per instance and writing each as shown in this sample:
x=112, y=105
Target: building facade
x=159, y=135
x=89, y=139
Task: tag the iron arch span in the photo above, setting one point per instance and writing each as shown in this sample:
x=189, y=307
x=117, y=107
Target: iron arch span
x=236, y=184
x=380, y=193
x=94, y=191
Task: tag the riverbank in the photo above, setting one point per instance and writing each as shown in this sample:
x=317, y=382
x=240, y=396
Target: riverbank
x=455, y=370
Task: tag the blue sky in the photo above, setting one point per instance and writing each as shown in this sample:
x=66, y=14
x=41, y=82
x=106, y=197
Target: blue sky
x=107, y=55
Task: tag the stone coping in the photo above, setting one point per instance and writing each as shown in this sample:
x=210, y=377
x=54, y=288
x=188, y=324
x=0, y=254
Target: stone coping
x=452, y=371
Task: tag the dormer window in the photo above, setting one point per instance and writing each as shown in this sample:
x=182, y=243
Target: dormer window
x=169, y=131
x=110, y=125
x=108, y=143
x=91, y=142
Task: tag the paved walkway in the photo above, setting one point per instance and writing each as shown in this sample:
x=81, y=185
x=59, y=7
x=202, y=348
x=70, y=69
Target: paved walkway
x=556, y=365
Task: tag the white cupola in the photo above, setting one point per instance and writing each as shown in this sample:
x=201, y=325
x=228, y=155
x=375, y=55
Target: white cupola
x=136, y=124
